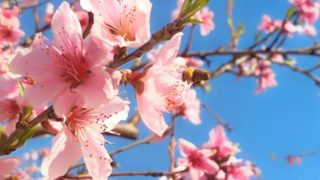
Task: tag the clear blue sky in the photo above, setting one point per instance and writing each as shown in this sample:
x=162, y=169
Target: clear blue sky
x=283, y=120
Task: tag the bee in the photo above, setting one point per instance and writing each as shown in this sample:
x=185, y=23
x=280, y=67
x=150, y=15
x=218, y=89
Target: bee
x=198, y=77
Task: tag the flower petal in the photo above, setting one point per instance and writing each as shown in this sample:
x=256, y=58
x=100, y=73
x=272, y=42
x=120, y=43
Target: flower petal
x=186, y=147
x=95, y=155
x=67, y=30
x=95, y=89
x=64, y=153
x=8, y=164
x=116, y=110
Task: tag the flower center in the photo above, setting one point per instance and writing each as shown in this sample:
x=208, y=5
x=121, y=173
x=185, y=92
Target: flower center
x=124, y=26
x=196, y=159
x=79, y=117
x=75, y=71
x=174, y=98
x=5, y=31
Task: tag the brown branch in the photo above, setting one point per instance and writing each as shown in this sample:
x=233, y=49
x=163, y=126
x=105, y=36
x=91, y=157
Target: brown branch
x=11, y=143
x=304, y=72
x=146, y=140
x=166, y=33
x=217, y=117
x=134, y=173
x=312, y=50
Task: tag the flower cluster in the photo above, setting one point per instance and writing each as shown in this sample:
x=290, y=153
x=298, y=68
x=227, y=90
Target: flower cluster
x=260, y=68
x=72, y=74
x=215, y=160
x=308, y=13
x=10, y=31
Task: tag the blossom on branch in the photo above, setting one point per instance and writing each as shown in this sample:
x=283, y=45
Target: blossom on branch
x=160, y=87
x=124, y=23
x=81, y=135
x=8, y=165
x=70, y=64
x=10, y=31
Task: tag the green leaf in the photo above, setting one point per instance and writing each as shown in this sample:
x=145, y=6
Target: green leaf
x=25, y=137
x=190, y=8
x=240, y=30
x=290, y=12
x=195, y=21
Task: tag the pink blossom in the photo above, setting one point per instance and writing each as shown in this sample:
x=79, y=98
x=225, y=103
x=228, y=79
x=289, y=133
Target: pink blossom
x=9, y=12
x=71, y=64
x=239, y=171
x=9, y=109
x=277, y=58
x=267, y=24
x=292, y=159
x=270, y=25
x=218, y=141
x=81, y=136
x=205, y=15
x=8, y=164
x=308, y=10
x=191, y=107
x=266, y=77
x=49, y=13
x=160, y=87
x=9, y=30
x=121, y=23
x=286, y=26
x=196, y=160
x=8, y=87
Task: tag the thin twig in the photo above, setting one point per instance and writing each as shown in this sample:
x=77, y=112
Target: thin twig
x=217, y=117
x=172, y=145
x=130, y=146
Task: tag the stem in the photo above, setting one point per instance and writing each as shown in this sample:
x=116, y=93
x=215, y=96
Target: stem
x=130, y=146
x=172, y=145
x=166, y=33
x=10, y=144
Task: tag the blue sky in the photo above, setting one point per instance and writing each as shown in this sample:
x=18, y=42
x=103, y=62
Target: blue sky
x=281, y=121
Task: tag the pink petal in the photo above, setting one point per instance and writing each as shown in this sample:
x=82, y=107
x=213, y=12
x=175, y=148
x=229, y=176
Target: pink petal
x=117, y=109
x=95, y=89
x=8, y=164
x=35, y=62
x=152, y=117
x=95, y=155
x=97, y=52
x=64, y=153
x=186, y=147
x=66, y=28
x=195, y=173
x=210, y=166
x=11, y=126
x=65, y=103
x=169, y=50
x=39, y=94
